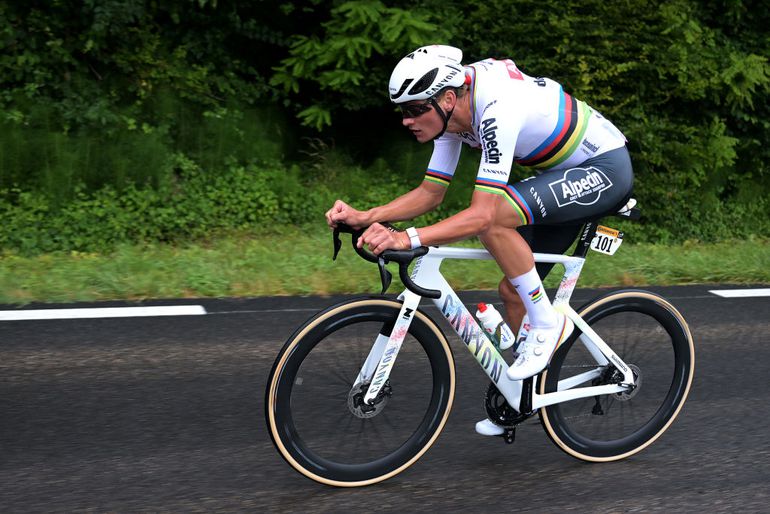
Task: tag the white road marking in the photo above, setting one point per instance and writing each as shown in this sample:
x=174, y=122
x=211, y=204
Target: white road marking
x=740, y=293
x=102, y=312
x=197, y=310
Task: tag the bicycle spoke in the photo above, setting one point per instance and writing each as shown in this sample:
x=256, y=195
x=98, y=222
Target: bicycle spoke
x=617, y=425
x=321, y=386
x=342, y=379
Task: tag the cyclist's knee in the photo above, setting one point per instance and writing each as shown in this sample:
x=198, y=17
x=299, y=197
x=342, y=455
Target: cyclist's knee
x=492, y=233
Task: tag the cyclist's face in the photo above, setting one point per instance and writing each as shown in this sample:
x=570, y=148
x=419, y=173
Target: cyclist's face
x=422, y=120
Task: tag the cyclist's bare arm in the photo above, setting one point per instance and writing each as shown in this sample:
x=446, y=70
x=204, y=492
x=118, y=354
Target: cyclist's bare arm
x=485, y=210
x=426, y=197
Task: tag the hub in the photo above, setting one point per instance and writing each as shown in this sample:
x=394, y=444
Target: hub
x=356, y=400
x=627, y=395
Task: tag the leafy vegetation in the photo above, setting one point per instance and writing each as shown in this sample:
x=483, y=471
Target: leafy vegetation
x=137, y=121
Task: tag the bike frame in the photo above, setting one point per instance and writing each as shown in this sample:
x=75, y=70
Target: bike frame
x=427, y=274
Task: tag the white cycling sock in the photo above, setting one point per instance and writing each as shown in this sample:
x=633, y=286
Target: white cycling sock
x=539, y=309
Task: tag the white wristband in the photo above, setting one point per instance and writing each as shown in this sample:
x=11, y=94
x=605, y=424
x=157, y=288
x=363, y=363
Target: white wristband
x=414, y=239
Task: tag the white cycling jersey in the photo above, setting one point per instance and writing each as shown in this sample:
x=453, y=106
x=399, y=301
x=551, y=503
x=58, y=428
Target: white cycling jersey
x=531, y=121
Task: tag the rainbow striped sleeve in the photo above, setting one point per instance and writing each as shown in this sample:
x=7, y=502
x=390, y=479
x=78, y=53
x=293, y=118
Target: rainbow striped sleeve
x=510, y=194
x=438, y=177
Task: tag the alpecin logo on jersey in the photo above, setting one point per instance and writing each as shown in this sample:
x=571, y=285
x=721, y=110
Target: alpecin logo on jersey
x=582, y=186
x=489, y=136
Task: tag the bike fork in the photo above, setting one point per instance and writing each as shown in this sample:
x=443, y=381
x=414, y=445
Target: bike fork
x=384, y=352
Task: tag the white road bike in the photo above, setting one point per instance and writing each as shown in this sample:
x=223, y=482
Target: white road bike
x=363, y=389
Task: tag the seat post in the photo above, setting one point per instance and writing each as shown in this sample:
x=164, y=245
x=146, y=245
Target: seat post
x=584, y=242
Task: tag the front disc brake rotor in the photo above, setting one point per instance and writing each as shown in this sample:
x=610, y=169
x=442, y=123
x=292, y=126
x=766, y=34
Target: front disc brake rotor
x=356, y=400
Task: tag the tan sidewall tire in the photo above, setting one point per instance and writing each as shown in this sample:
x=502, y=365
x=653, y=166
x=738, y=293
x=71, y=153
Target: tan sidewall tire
x=287, y=350
x=547, y=423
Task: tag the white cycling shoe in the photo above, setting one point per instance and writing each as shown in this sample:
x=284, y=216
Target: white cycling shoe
x=520, y=336
x=536, y=350
x=486, y=427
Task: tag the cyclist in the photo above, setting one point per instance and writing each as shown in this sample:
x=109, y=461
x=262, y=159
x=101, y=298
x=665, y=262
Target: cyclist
x=584, y=172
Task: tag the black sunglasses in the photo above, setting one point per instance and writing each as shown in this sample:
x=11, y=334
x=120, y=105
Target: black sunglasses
x=415, y=110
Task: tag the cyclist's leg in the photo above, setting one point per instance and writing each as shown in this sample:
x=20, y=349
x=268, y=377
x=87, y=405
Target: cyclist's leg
x=556, y=197
x=541, y=239
x=557, y=214
x=596, y=187
x=553, y=221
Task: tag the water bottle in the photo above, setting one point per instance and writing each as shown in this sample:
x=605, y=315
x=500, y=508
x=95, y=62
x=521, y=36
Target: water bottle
x=493, y=324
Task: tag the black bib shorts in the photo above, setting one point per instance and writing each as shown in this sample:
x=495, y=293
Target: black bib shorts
x=561, y=201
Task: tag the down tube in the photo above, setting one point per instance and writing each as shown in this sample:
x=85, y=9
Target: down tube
x=477, y=342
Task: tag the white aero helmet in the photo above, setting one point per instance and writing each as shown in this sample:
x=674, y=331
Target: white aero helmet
x=425, y=72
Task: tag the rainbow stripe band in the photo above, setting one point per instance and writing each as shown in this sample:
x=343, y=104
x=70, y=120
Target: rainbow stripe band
x=438, y=177
x=536, y=294
x=565, y=137
x=511, y=196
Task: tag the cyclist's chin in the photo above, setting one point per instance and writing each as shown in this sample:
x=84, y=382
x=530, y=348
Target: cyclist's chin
x=422, y=136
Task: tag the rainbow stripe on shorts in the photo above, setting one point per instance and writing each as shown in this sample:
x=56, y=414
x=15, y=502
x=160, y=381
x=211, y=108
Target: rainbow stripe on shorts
x=510, y=194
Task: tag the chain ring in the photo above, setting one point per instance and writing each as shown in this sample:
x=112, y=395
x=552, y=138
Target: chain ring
x=499, y=411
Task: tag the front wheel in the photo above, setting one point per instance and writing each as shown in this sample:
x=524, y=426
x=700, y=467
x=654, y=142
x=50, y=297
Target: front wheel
x=650, y=335
x=314, y=408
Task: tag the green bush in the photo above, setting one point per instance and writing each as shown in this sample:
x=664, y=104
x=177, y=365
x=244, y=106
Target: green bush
x=36, y=157
x=192, y=206
x=163, y=121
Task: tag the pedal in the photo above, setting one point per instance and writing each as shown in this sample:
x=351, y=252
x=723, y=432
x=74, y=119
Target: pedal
x=509, y=436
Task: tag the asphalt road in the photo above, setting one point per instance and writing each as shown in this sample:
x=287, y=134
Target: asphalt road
x=166, y=414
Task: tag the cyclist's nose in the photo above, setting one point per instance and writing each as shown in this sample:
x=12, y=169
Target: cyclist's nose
x=407, y=121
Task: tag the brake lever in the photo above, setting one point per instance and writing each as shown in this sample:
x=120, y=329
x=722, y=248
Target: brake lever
x=386, y=277
x=336, y=242
x=402, y=257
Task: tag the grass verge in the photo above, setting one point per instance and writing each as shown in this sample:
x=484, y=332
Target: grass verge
x=297, y=263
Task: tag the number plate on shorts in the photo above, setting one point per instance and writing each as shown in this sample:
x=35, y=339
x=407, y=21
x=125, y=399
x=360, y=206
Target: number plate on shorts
x=607, y=240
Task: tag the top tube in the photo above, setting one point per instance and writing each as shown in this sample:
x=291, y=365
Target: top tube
x=454, y=252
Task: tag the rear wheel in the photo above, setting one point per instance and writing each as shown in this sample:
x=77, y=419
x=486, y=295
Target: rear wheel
x=650, y=335
x=314, y=410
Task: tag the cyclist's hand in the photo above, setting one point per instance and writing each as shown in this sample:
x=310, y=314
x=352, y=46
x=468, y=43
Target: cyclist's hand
x=380, y=239
x=343, y=213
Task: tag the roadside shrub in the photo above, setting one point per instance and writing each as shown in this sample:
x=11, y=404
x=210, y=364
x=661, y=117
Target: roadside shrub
x=191, y=206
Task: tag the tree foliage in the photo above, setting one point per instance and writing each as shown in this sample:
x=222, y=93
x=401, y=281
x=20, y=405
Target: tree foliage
x=110, y=93
x=346, y=65
x=684, y=80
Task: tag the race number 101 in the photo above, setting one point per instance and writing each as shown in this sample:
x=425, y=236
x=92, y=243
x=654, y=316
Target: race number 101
x=607, y=240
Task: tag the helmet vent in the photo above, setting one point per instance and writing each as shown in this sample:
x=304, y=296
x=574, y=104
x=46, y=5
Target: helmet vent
x=401, y=90
x=424, y=82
